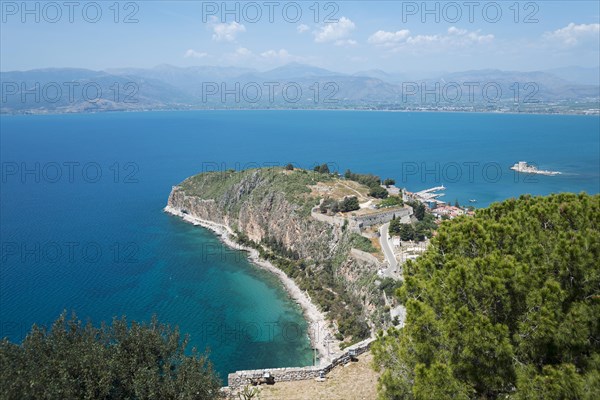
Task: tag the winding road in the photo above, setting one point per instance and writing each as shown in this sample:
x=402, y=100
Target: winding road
x=384, y=239
x=398, y=312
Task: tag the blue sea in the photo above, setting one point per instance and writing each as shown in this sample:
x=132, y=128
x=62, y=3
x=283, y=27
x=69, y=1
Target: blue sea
x=82, y=227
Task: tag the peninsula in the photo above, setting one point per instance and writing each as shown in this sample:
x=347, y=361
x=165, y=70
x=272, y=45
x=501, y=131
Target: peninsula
x=316, y=231
x=338, y=243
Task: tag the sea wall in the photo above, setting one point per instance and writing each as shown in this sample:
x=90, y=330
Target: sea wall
x=239, y=379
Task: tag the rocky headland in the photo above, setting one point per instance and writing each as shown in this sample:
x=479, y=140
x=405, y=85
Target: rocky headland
x=328, y=266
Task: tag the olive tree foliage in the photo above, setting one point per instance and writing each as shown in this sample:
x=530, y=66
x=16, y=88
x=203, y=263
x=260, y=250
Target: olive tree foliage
x=73, y=360
x=505, y=304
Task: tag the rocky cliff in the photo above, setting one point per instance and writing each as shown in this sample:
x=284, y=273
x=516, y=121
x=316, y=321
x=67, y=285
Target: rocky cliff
x=254, y=205
x=270, y=209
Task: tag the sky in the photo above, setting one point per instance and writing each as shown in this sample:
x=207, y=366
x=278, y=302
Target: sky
x=343, y=36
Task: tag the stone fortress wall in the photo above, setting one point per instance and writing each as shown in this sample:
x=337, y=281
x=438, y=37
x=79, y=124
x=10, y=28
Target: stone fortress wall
x=383, y=216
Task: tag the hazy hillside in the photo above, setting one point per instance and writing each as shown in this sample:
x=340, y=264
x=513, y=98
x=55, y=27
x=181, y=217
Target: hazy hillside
x=580, y=75
x=292, y=86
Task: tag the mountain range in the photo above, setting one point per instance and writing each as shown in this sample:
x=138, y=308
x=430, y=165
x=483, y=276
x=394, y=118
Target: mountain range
x=294, y=86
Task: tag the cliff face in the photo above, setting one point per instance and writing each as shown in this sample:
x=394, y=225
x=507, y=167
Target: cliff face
x=274, y=205
x=258, y=209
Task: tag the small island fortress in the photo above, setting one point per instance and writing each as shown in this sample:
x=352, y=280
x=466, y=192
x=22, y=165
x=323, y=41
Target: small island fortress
x=525, y=168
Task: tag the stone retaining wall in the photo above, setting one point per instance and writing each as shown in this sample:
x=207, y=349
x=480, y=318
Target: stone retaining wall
x=239, y=379
x=364, y=256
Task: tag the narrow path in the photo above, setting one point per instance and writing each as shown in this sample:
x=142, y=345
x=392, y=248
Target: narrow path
x=360, y=196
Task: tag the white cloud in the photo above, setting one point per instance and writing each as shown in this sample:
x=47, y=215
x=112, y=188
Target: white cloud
x=302, y=28
x=454, y=37
x=455, y=31
x=387, y=38
x=335, y=31
x=242, y=51
x=346, y=42
x=464, y=37
x=241, y=55
x=281, y=55
x=191, y=53
x=245, y=56
x=226, y=32
x=422, y=40
x=573, y=34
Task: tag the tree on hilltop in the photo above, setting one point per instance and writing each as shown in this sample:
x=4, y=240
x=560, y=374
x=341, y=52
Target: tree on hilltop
x=349, y=204
x=378, y=192
x=418, y=209
x=322, y=169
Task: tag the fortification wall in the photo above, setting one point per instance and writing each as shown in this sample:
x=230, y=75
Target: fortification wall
x=335, y=220
x=382, y=217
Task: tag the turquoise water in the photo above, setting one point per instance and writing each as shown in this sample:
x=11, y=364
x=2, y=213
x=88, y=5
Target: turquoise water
x=97, y=241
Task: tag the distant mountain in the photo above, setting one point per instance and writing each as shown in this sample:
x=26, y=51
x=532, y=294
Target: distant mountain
x=188, y=80
x=293, y=85
x=384, y=76
x=524, y=86
x=183, y=77
x=296, y=70
x=80, y=90
x=580, y=75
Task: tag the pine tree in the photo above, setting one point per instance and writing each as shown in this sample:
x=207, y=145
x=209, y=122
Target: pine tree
x=504, y=304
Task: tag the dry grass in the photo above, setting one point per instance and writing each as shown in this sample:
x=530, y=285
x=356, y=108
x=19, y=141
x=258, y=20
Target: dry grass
x=338, y=189
x=355, y=381
x=377, y=245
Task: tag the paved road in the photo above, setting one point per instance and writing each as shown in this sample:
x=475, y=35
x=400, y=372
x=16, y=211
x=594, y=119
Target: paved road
x=398, y=312
x=386, y=246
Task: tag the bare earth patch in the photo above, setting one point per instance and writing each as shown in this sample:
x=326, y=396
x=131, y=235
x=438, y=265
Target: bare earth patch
x=338, y=189
x=355, y=381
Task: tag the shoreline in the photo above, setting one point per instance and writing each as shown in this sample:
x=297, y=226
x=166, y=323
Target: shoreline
x=595, y=113
x=318, y=325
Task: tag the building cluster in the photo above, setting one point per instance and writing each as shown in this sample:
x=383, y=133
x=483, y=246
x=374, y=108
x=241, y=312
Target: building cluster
x=449, y=211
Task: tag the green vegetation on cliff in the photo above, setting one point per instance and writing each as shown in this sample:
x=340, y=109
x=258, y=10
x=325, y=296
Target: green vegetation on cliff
x=73, y=360
x=293, y=184
x=502, y=305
